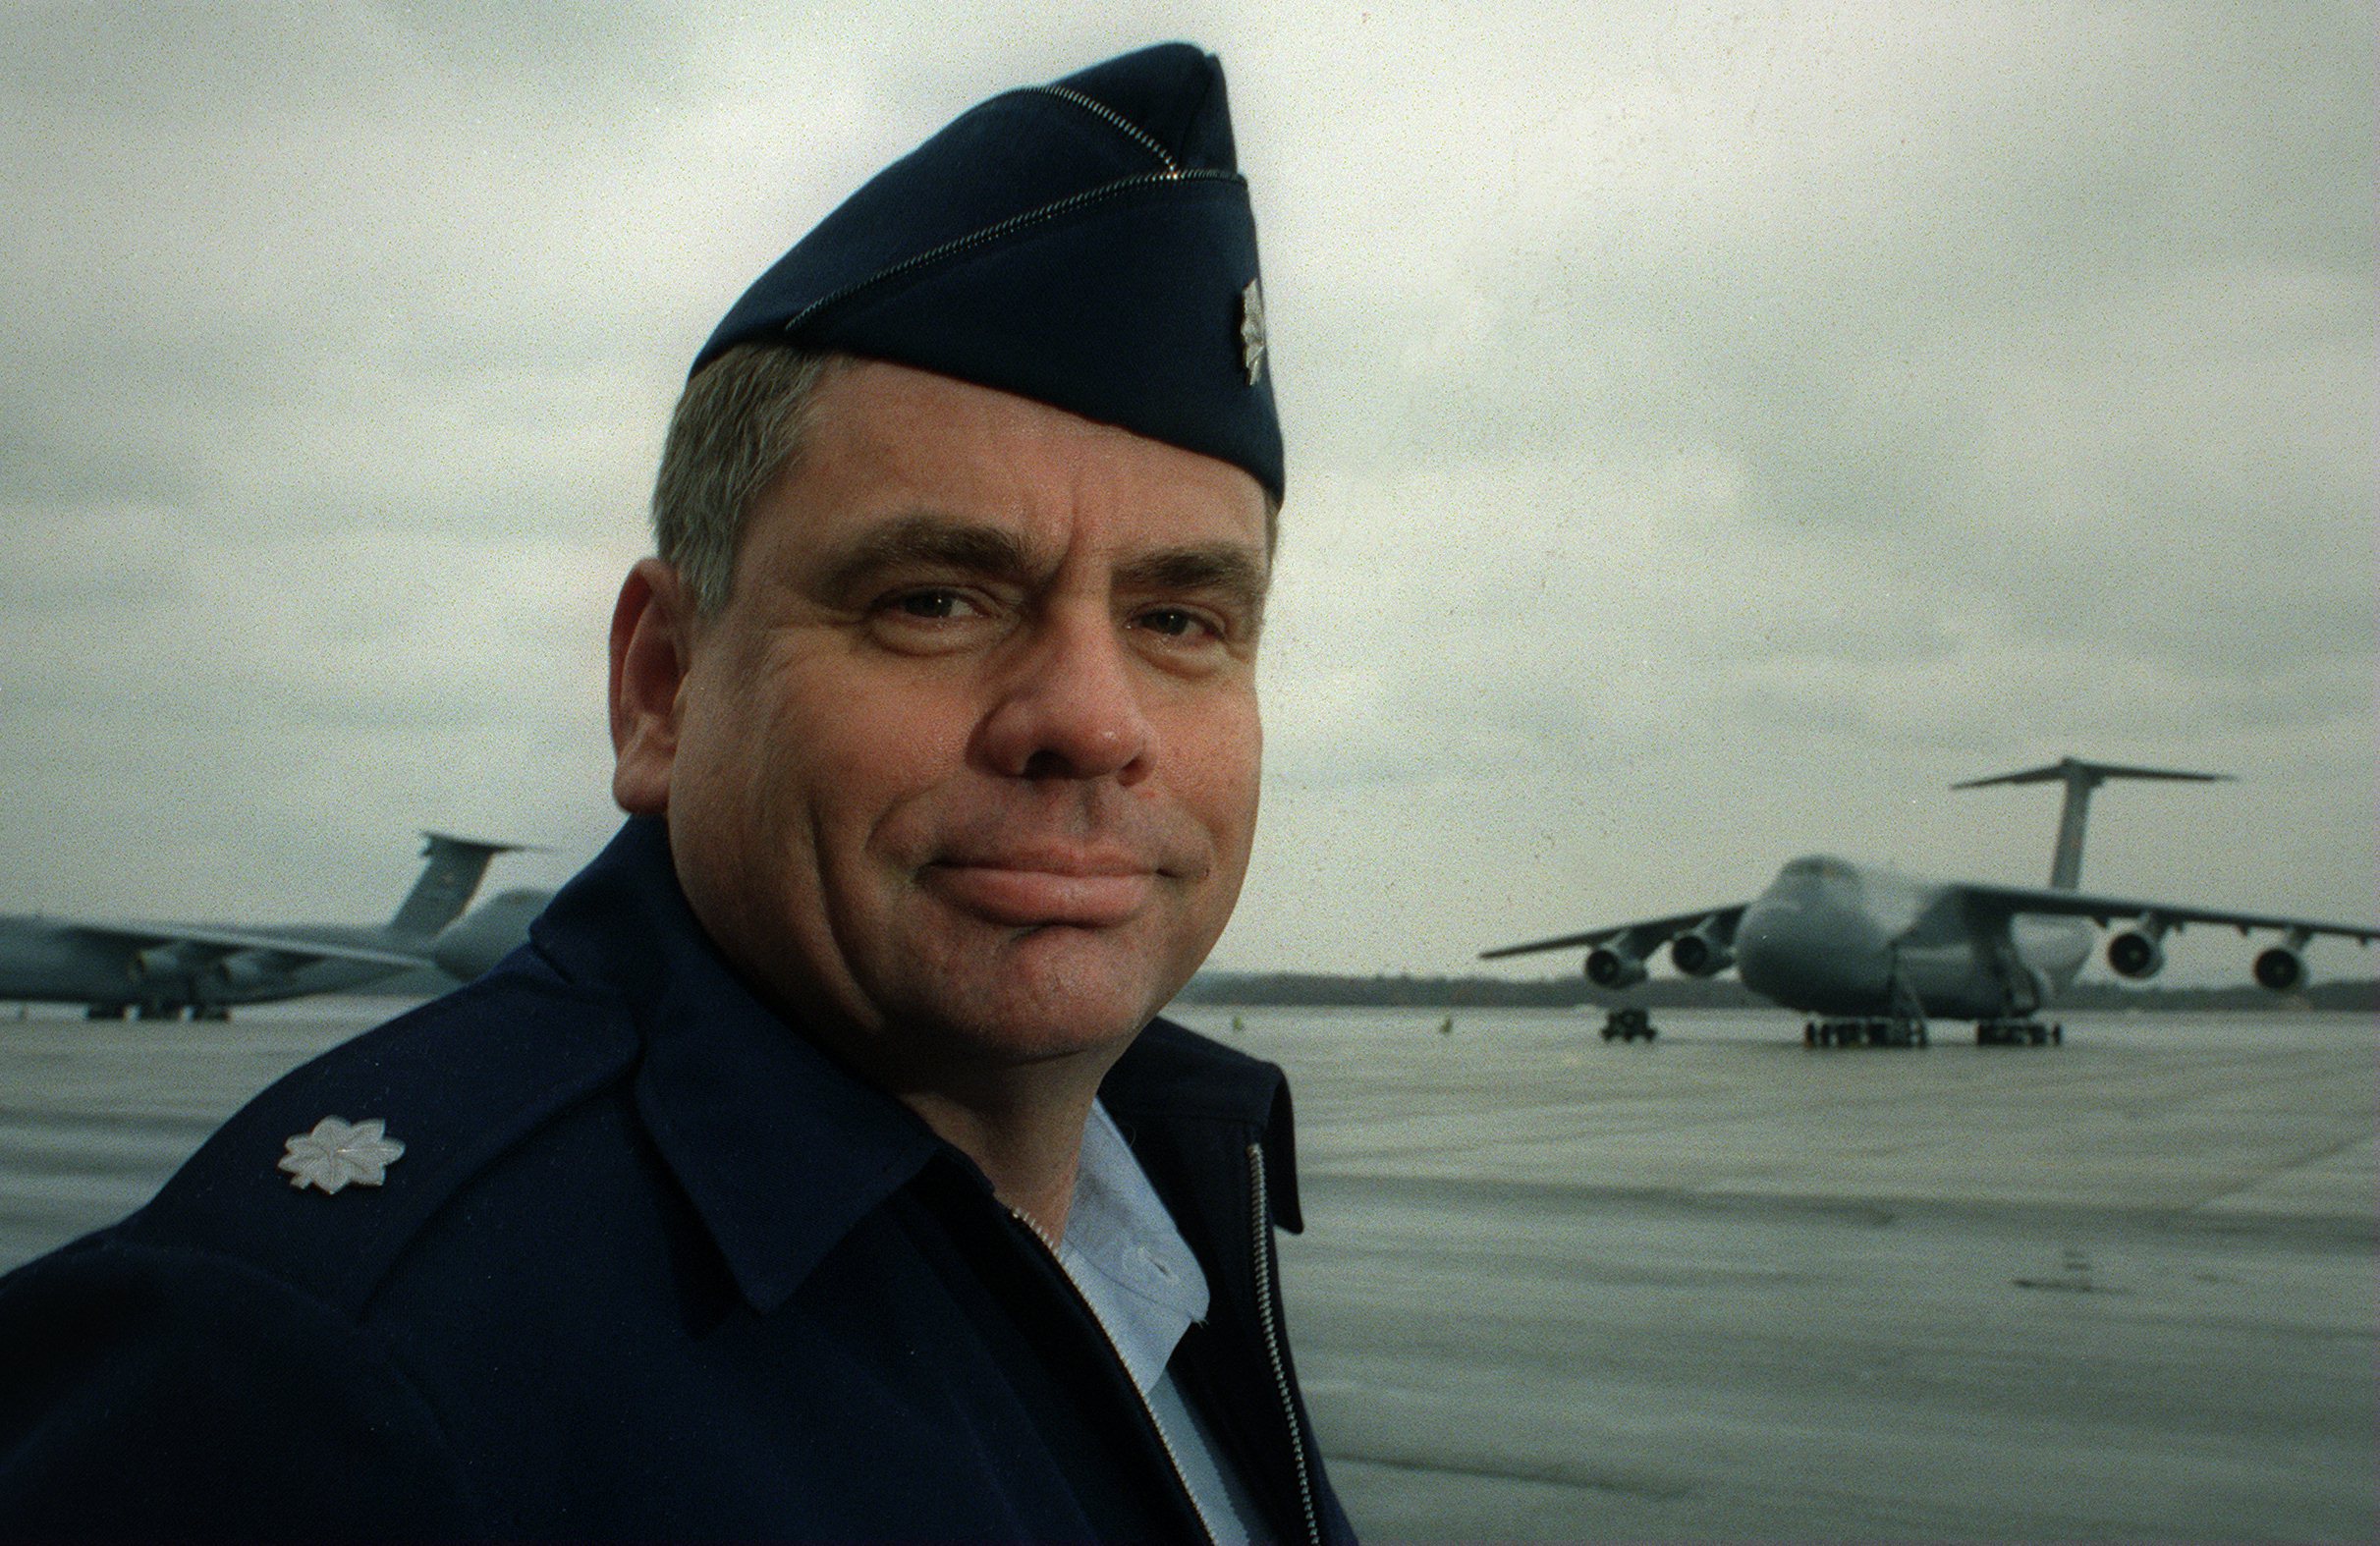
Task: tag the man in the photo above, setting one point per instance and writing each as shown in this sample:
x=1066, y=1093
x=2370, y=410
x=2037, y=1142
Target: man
x=812, y=1173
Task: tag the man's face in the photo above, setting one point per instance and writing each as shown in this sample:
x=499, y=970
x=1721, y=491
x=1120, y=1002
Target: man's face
x=965, y=771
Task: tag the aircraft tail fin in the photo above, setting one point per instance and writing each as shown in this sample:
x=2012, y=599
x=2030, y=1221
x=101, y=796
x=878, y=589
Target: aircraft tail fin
x=2081, y=778
x=451, y=874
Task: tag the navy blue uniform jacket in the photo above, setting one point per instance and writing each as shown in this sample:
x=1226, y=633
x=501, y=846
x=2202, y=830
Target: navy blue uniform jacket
x=650, y=1266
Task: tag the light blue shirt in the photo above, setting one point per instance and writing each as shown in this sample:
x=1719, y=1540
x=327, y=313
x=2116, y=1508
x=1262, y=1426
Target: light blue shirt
x=1139, y=1278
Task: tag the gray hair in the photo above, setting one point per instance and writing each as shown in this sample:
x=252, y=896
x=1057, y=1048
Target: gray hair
x=738, y=427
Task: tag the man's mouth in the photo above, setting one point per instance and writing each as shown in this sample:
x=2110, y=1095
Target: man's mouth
x=1032, y=886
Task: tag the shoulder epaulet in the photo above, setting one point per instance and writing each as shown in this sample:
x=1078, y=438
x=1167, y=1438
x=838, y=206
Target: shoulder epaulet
x=456, y=1083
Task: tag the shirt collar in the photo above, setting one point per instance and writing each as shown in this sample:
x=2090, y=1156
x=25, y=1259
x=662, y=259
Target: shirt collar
x=1124, y=1252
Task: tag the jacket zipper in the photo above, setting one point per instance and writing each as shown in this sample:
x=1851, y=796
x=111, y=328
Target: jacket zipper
x=1181, y=1477
x=1261, y=1214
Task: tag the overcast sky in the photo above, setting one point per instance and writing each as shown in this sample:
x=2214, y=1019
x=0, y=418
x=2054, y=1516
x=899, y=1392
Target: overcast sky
x=1713, y=432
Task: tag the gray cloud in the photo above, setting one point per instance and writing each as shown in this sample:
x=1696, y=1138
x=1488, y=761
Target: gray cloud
x=1714, y=429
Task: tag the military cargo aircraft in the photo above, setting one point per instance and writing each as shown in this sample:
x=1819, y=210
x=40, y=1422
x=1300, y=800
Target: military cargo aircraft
x=1871, y=954
x=159, y=970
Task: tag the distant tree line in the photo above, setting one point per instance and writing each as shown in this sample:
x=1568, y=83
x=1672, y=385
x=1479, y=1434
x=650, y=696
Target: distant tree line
x=1567, y=990
x=1303, y=988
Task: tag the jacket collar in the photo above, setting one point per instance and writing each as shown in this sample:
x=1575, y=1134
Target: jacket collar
x=781, y=1149
x=1173, y=1077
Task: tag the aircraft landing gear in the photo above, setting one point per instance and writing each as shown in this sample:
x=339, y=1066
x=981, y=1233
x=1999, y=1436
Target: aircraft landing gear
x=104, y=1011
x=2017, y=1034
x=1902, y=1025
x=210, y=1011
x=1874, y=1032
x=1627, y=1024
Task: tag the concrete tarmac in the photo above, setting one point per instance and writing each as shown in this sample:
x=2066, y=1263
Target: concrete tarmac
x=1721, y=1286
x=1724, y=1286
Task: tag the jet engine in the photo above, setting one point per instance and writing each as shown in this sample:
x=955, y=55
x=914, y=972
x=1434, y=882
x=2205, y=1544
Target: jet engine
x=2280, y=968
x=245, y=970
x=161, y=963
x=1610, y=968
x=2134, y=954
x=1701, y=954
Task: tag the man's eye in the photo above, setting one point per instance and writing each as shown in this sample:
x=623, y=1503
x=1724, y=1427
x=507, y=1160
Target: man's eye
x=1176, y=623
x=932, y=604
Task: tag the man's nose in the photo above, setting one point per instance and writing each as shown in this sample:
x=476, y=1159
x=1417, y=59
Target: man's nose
x=1072, y=706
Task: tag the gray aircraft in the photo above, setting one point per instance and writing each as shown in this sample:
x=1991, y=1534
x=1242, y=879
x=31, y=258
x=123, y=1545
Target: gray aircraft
x=1871, y=954
x=159, y=970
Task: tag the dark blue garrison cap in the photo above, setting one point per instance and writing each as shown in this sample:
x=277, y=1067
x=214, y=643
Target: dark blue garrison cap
x=1086, y=243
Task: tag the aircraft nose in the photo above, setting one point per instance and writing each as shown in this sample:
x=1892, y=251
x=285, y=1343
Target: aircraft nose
x=1810, y=954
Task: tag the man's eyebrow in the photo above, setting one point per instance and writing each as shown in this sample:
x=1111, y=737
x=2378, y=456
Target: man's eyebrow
x=1238, y=575
x=928, y=540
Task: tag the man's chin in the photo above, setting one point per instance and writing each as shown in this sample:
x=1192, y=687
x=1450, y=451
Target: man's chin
x=1020, y=1031
x=1055, y=993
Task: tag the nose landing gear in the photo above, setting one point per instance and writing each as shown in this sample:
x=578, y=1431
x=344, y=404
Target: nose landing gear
x=1871, y=1032
x=1904, y=1026
x=2017, y=1034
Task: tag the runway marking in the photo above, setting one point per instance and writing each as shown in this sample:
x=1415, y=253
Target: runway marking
x=1554, y=1475
x=2327, y=1151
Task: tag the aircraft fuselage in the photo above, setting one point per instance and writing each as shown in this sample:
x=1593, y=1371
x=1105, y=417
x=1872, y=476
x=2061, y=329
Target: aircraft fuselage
x=1828, y=936
x=54, y=961
x=163, y=968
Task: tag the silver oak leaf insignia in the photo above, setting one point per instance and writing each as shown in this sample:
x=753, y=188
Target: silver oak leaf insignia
x=338, y=1152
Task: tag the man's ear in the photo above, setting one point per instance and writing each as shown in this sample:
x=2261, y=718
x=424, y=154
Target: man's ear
x=653, y=649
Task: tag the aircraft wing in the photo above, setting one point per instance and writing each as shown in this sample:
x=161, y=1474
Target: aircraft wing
x=2012, y=901
x=224, y=941
x=1643, y=936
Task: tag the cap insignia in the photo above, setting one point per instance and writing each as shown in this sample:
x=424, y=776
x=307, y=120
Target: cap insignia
x=1251, y=331
x=336, y=1153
